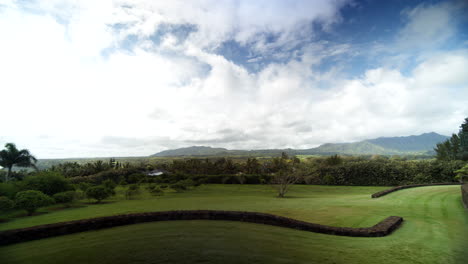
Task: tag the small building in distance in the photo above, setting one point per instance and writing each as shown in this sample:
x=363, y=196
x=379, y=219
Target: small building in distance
x=156, y=173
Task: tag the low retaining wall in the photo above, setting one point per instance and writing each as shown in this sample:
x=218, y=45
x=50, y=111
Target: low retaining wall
x=464, y=191
x=394, y=189
x=383, y=228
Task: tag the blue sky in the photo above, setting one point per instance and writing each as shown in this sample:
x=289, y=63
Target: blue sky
x=124, y=78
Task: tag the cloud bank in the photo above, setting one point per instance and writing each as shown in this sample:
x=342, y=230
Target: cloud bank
x=123, y=78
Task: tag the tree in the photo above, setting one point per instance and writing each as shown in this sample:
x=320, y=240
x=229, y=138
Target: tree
x=65, y=197
x=463, y=134
x=5, y=203
x=31, y=200
x=456, y=147
x=98, y=193
x=11, y=156
x=252, y=166
x=48, y=182
x=289, y=172
x=462, y=173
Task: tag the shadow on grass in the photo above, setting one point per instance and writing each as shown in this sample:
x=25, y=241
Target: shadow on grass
x=64, y=207
x=290, y=197
x=94, y=203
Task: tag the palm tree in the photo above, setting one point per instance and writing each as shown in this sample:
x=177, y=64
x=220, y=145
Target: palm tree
x=11, y=156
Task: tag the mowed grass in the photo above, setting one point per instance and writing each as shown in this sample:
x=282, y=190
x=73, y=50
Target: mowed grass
x=435, y=229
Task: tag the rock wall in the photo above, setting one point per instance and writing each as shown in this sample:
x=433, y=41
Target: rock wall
x=383, y=228
x=394, y=189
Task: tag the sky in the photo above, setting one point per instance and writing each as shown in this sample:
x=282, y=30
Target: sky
x=131, y=78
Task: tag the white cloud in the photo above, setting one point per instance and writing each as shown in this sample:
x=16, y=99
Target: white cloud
x=67, y=100
x=428, y=25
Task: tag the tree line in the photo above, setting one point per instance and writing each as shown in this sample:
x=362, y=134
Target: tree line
x=456, y=147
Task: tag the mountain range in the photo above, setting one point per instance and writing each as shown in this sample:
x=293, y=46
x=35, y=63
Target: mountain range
x=421, y=144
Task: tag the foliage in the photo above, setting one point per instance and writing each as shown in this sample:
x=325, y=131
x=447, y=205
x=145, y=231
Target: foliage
x=48, y=182
x=456, y=147
x=5, y=203
x=289, y=173
x=65, y=197
x=179, y=186
x=8, y=189
x=132, y=191
x=98, y=193
x=31, y=200
x=110, y=185
x=157, y=191
x=123, y=182
x=115, y=175
x=333, y=160
x=462, y=174
x=11, y=156
x=83, y=186
x=463, y=134
x=136, y=177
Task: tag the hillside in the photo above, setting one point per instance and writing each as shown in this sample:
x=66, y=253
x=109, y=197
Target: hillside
x=191, y=151
x=426, y=141
x=419, y=144
x=356, y=148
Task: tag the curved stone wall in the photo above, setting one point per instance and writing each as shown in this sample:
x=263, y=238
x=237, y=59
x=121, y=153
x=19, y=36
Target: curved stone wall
x=383, y=228
x=394, y=189
x=464, y=190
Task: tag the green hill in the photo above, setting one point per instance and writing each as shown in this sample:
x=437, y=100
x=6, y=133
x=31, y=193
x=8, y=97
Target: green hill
x=420, y=144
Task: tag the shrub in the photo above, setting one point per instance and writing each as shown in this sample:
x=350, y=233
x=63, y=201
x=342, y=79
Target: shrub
x=132, y=192
x=123, y=182
x=179, y=186
x=156, y=191
x=65, y=197
x=110, y=185
x=48, y=182
x=5, y=203
x=8, y=189
x=31, y=200
x=98, y=193
x=84, y=186
x=151, y=186
x=136, y=177
x=163, y=186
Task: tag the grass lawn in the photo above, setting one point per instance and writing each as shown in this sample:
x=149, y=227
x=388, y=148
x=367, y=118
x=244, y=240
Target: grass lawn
x=435, y=229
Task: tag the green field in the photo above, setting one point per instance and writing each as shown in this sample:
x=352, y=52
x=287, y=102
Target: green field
x=435, y=229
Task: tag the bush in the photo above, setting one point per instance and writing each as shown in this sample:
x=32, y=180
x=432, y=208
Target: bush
x=48, y=182
x=136, y=177
x=123, y=182
x=98, y=193
x=31, y=200
x=132, y=192
x=163, y=186
x=156, y=191
x=84, y=186
x=5, y=203
x=65, y=197
x=179, y=186
x=110, y=185
x=8, y=189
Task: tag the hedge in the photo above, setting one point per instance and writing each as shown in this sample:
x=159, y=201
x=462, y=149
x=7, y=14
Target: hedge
x=394, y=189
x=464, y=190
x=383, y=228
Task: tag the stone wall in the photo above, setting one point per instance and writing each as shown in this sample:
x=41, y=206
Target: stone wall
x=383, y=228
x=394, y=189
x=464, y=191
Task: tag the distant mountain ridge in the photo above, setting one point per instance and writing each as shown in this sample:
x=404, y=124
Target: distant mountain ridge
x=420, y=144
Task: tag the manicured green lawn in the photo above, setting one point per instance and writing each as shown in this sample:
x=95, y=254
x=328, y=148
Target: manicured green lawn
x=435, y=229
